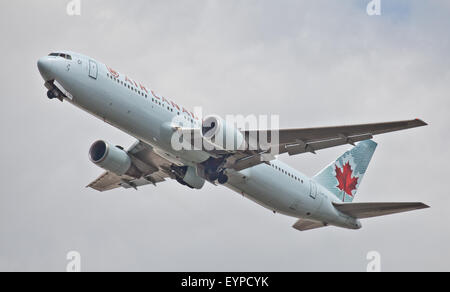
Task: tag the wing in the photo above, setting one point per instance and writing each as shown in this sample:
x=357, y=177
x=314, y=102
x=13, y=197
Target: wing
x=369, y=210
x=297, y=141
x=155, y=167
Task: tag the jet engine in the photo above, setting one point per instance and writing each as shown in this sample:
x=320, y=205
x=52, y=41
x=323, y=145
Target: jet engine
x=110, y=158
x=187, y=175
x=222, y=135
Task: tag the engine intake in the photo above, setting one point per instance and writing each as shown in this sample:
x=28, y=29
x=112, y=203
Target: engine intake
x=111, y=158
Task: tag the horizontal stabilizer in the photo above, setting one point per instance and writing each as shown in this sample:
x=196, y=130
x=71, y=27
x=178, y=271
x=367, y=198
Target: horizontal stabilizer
x=304, y=224
x=368, y=210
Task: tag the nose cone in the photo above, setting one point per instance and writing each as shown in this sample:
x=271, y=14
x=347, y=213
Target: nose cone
x=45, y=68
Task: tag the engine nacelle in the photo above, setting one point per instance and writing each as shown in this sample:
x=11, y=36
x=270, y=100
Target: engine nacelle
x=222, y=135
x=187, y=175
x=192, y=179
x=110, y=158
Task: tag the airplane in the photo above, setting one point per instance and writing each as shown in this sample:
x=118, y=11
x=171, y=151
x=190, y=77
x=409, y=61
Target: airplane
x=323, y=200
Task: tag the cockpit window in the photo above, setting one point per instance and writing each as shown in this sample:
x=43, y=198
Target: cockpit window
x=65, y=56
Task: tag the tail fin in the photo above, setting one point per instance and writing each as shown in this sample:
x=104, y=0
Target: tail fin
x=344, y=176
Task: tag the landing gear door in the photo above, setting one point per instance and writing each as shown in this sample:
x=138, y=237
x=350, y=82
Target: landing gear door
x=93, y=69
x=312, y=189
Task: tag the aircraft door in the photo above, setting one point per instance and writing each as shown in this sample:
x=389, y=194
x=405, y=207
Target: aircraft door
x=312, y=189
x=93, y=69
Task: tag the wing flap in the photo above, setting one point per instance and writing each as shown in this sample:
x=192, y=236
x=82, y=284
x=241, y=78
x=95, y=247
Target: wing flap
x=297, y=148
x=369, y=210
x=105, y=182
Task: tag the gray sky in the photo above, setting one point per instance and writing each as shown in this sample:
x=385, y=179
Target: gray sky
x=315, y=63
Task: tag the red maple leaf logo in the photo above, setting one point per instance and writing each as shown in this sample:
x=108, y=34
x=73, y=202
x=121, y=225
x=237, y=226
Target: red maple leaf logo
x=347, y=183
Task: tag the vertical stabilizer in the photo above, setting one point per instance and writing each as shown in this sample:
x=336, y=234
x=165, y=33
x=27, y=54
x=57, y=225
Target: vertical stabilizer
x=344, y=176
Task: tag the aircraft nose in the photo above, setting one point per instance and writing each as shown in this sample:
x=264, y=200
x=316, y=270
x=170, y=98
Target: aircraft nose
x=45, y=68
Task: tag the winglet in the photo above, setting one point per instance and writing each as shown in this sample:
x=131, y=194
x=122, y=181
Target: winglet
x=420, y=122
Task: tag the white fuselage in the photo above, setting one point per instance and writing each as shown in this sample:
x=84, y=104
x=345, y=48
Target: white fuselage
x=142, y=114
